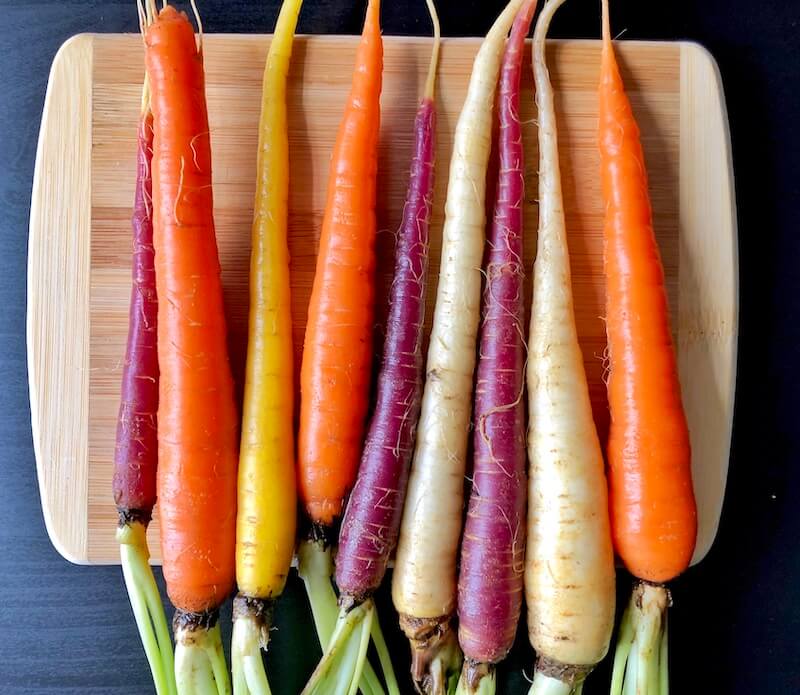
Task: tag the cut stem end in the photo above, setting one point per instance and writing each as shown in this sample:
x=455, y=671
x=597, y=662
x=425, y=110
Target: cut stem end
x=200, y=667
x=477, y=679
x=641, y=661
x=435, y=654
x=251, y=623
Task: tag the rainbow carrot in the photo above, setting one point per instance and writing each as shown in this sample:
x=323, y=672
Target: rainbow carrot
x=653, y=513
x=336, y=367
x=372, y=517
x=197, y=419
x=569, y=562
x=424, y=584
x=267, y=500
x=493, y=545
x=136, y=454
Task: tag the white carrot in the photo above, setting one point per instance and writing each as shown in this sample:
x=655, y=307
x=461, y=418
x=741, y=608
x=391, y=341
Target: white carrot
x=424, y=582
x=569, y=573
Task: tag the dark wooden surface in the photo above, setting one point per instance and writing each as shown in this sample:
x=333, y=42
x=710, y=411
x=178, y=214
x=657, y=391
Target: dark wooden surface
x=736, y=618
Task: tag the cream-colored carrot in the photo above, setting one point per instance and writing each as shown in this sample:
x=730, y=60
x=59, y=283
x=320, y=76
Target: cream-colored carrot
x=569, y=573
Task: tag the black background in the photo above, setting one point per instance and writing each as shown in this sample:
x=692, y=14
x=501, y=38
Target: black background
x=736, y=620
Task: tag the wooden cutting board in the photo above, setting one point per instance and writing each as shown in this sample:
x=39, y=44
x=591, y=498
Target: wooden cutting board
x=79, y=246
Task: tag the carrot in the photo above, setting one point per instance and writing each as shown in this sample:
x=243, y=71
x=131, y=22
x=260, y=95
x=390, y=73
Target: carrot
x=336, y=366
x=424, y=581
x=267, y=499
x=197, y=420
x=136, y=453
x=653, y=513
x=493, y=546
x=372, y=517
x=569, y=572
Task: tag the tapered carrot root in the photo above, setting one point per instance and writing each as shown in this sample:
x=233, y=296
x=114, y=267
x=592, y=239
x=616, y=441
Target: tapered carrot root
x=653, y=513
x=424, y=581
x=267, y=497
x=197, y=419
x=492, y=549
x=372, y=517
x=569, y=573
x=336, y=368
x=136, y=451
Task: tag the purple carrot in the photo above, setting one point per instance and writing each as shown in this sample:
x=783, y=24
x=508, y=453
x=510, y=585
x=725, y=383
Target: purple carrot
x=371, y=521
x=492, y=564
x=136, y=455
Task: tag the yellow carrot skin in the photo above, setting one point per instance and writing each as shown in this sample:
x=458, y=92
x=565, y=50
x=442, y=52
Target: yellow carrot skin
x=265, y=527
x=267, y=496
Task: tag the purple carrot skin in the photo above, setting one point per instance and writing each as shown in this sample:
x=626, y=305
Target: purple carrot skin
x=136, y=455
x=491, y=577
x=372, y=519
x=136, y=452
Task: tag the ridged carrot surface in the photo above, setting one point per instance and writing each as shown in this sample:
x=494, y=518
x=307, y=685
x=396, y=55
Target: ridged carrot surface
x=337, y=355
x=197, y=416
x=653, y=514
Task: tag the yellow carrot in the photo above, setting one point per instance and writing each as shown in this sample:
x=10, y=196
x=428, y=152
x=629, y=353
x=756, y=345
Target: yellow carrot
x=265, y=527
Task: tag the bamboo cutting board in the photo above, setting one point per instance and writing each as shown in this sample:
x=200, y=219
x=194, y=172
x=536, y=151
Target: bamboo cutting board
x=79, y=246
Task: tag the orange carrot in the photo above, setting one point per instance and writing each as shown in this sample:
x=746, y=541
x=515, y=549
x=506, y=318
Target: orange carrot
x=335, y=372
x=197, y=422
x=652, y=502
x=653, y=513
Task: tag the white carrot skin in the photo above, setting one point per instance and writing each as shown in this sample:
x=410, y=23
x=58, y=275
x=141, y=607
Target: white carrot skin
x=424, y=584
x=569, y=573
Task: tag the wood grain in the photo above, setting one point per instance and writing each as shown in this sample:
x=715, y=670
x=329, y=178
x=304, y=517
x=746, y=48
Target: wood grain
x=679, y=109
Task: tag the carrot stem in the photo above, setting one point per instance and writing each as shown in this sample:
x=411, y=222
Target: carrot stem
x=249, y=677
x=546, y=685
x=146, y=603
x=200, y=661
x=487, y=685
x=641, y=658
x=384, y=657
x=339, y=671
x=315, y=567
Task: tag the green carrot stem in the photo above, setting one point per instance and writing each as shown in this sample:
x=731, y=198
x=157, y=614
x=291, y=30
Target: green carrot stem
x=148, y=609
x=547, y=685
x=315, y=567
x=383, y=655
x=249, y=676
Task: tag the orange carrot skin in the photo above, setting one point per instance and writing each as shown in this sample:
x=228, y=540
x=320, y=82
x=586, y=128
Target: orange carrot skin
x=653, y=513
x=197, y=423
x=335, y=372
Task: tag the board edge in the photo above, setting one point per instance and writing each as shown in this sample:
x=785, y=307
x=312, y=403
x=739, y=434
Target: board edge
x=58, y=244
x=707, y=202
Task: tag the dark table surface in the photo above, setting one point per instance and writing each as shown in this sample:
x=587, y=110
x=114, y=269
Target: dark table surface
x=736, y=618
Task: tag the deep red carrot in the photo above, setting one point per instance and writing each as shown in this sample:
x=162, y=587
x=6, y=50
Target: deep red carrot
x=492, y=551
x=372, y=518
x=136, y=452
